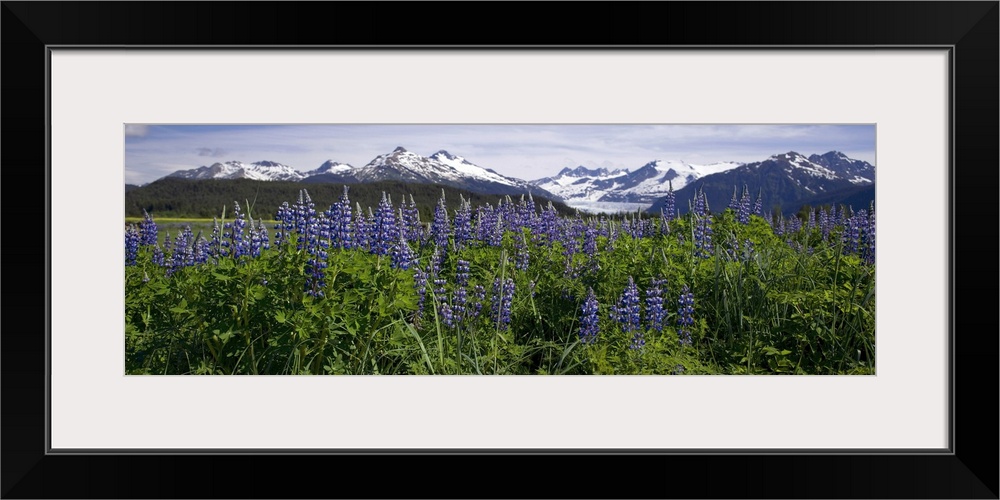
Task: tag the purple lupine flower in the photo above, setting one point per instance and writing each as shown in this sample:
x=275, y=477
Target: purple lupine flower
x=669, y=209
x=629, y=314
x=527, y=212
x=315, y=243
x=743, y=213
x=702, y=227
x=420, y=284
x=166, y=244
x=793, y=225
x=190, y=242
x=283, y=227
x=411, y=223
x=147, y=230
x=200, y=250
x=459, y=300
x=436, y=260
x=824, y=223
x=132, y=239
x=362, y=233
x=733, y=204
x=811, y=222
x=590, y=241
x=655, y=313
x=385, y=230
x=331, y=226
x=463, y=223
x=758, y=205
x=703, y=236
x=521, y=247
x=439, y=287
x=495, y=236
x=869, y=255
x=569, y=241
x=158, y=257
x=588, y=319
x=316, y=263
x=345, y=225
x=777, y=224
x=462, y=273
x=479, y=294
x=482, y=222
x=441, y=228
x=303, y=211
x=255, y=240
x=265, y=241
x=238, y=241
x=444, y=310
x=550, y=223
x=178, y=258
x=402, y=255
x=852, y=233
x=508, y=301
x=502, y=301
x=685, y=315
x=215, y=248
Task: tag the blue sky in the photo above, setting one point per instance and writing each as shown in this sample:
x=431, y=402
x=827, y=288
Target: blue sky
x=523, y=151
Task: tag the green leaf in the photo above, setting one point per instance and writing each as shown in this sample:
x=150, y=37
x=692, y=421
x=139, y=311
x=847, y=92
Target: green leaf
x=280, y=316
x=181, y=308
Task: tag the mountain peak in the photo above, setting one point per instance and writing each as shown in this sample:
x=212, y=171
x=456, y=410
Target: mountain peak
x=445, y=154
x=268, y=163
x=399, y=149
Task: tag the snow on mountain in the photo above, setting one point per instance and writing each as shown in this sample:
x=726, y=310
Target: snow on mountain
x=582, y=184
x=466, y=168
x=399, y=165
x=788, y=180
x=441, y=168
x=643, y=186
x=260, y=171
x=857, y=171
x=330, y=167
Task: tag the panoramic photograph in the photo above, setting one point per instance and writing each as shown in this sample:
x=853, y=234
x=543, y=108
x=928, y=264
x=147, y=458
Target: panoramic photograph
x=468, y=249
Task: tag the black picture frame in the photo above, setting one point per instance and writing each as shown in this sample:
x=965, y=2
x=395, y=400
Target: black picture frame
x=968, y=470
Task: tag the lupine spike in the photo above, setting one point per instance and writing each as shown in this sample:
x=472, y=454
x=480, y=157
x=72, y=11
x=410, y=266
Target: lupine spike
x=588, y=318
x=685, y=315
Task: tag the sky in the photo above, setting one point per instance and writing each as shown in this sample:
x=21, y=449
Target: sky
x=527, y=152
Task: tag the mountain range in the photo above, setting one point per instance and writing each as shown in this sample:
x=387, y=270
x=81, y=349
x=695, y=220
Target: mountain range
x=441, y=168
x=784, y=181
x=645, y=185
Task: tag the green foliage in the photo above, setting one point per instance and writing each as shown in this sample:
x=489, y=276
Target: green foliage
x=774, y=309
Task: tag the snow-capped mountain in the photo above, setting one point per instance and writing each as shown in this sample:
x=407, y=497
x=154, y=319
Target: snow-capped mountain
x=582, y=187
x=259, y=171
x=857, y=171
x=441, y=168
x=784, y=181
x=330, y=171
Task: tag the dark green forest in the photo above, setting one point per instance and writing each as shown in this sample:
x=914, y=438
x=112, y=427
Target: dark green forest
x=206, y=198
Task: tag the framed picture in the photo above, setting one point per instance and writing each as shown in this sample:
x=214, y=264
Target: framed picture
x=928, y=85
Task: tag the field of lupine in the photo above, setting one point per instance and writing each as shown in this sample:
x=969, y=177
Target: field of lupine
x=508, y=289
